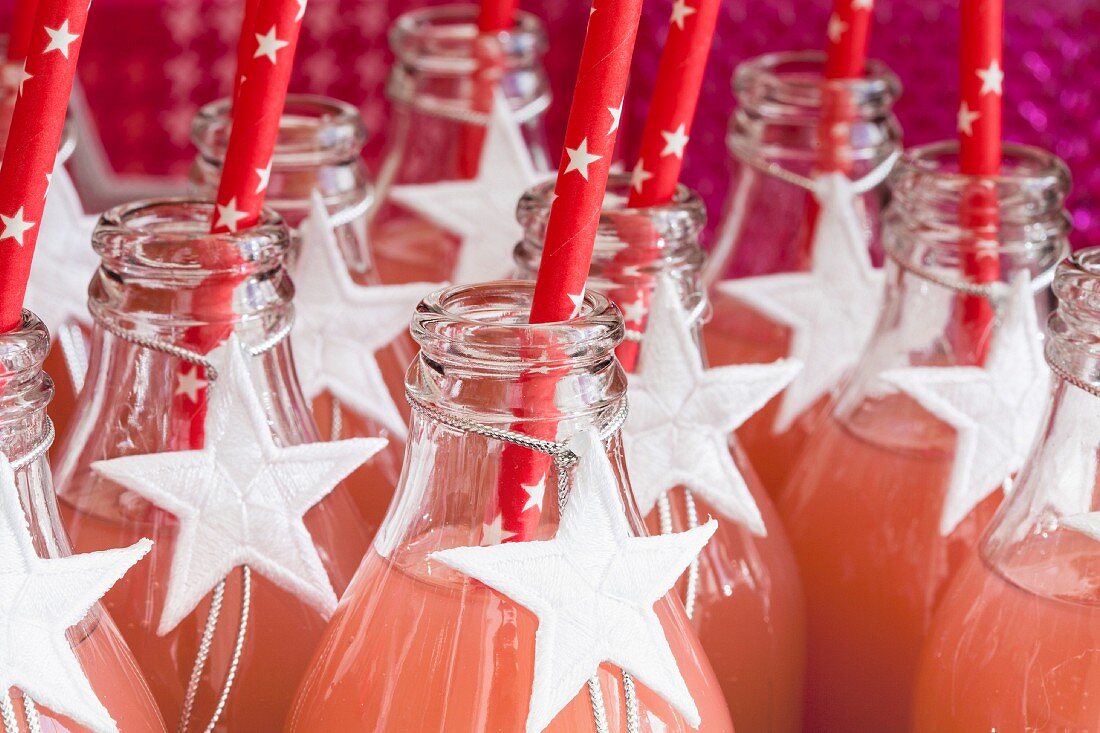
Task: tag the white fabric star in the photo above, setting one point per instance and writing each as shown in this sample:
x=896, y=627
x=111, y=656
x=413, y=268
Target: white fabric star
x=836, y=28
x=992, y=79
x=481, y=210
x=965, y=119
x=580, y=159
x=682, y=414
x=675, y=141
x=15, y=226
x=268, y=45
x=592, y=587
x=639, y=176
x=59, y=295
x=341, y=324
x=60, y=39
x=40, y=598
x=229, y=216
x=995, y=409
x=680, y=11
x=831, y=309
x=240, y=499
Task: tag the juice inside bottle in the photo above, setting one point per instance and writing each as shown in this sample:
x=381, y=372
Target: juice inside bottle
x=415, y=645
x=127, y=413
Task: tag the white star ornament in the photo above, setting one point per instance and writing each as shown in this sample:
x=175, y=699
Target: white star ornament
x=240, y=499
x=482, y=210
x=40, y=599
x=995, y=409
x=340, y=324
x=593, y=588
x=681, y=415
x=831, y=309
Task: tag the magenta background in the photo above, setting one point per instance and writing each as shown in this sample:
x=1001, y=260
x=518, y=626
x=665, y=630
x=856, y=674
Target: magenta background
x=147, y=65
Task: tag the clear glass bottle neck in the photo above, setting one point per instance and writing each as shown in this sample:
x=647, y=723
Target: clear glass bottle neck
x=318, y=148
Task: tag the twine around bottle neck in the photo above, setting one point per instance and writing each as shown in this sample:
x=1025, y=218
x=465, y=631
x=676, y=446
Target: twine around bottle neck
x=401, y=89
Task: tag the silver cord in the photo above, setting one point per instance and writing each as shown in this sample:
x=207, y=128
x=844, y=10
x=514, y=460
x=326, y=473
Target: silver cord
x=38, y=449
x=872, y=179
x=631, y=699
x=73, y=349
x=691, y=593
x=1060, y=372
x=200, y=658
x=34, y=723
x=337, y=425
x=599, y=712
x=693, y=319
x=238, y=649
x=993, y=291
x=349, y=214
x=7, y=710
x=401, y=89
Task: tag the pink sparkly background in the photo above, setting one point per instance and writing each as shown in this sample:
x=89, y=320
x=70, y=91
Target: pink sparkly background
x=147, y=65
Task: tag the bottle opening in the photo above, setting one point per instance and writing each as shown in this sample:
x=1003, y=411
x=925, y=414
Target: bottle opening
x=445, y=40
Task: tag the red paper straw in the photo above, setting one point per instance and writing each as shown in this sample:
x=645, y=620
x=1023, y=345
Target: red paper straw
x=22, y=22
x=849, y=30
x=571, y=230
x=494, y=17
x=981, y=81
x=246, y=45
x=37, y=124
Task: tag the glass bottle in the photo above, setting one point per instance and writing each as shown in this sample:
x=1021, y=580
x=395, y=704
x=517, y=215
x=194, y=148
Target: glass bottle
x=747, y=605
x=99, y=648
x=157, y=262
x=319, y=149
x=437, y=88
x=768, y=223
x=872, y=504
x=1013, y=644
x=417, y=646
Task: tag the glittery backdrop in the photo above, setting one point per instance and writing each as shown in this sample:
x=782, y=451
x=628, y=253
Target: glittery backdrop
x=147, y=65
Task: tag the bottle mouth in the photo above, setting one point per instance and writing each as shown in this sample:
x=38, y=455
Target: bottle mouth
x=484, y=328
x=312, y=130
x=446, y=40
x=793, y=82
x=1074, y=327
x=169, y=240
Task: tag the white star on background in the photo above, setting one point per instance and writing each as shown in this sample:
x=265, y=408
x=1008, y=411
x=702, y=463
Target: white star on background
x=592, y=587
x=229, y=216
x=268, y=45
x=964, y=121
x=836, y=28
x=639, y=176
x=60, y=39
x=680, y=11
x=41, y=599
x=992, y=79
x=616, y=115
x=675, y=141
x=15, y=226
x=264, y=175
x=580, y=159
x=341, y=324
x=995, y=409
x=240, y=499
x=682, y=414
x=831, y=309
x=481, y=210
x=189, y=383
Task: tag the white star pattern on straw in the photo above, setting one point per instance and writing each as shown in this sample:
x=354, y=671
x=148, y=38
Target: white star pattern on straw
x=593, y=588
x=682, y=415
x=240, y=499
x=535, y=494
x=229, y=216
x=836, y=28
x=60, y=39
x=268, y=45
x=680, y=11
x=964, y=121
x=580, y=159
x=341, y=324
x=862, y=4
x=264, y=175
x=831, y=309
x=994, y=409
x=189, y=383
x=639, y=176
x=41, y=599
x=675, y=141
x=616, y=115
x=481, y=210
x=992, y=79
x=23, y=76
x=15, y=226
x=493, y=533
x=301, y=10
x=577, y=299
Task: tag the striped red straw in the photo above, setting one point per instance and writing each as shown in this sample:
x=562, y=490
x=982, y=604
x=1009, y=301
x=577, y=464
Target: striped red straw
x=571, y=230
x=981, y=82
x=661, y=154
x=22, y=22
x=36, y=127
x=271, y=38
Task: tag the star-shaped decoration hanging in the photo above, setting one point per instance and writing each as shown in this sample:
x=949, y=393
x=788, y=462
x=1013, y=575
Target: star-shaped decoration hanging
x=341, y=324
x=682, y=414
x=995, y=409
x=15, y=226
x=60, y=39
x=593, y=588
x=240, y=499
x=992, y=79
x=268, y=45
x=481, y=210
x=229, y=216
x=836, y=28
x=675, y=141
x=831, y=309
x=680, y=11
x=580, y=159
x=41, y=599
x=964, y=121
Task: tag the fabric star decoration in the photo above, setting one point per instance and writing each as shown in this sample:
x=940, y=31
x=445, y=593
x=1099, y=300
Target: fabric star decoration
x=681, y=415
x=240, y=498
x=341, y=324
x=59, y=295
x=481, y=210
x=593, y=588
x=995, y=409
x=580, y=159
x=41, y=598
x=831, y=309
